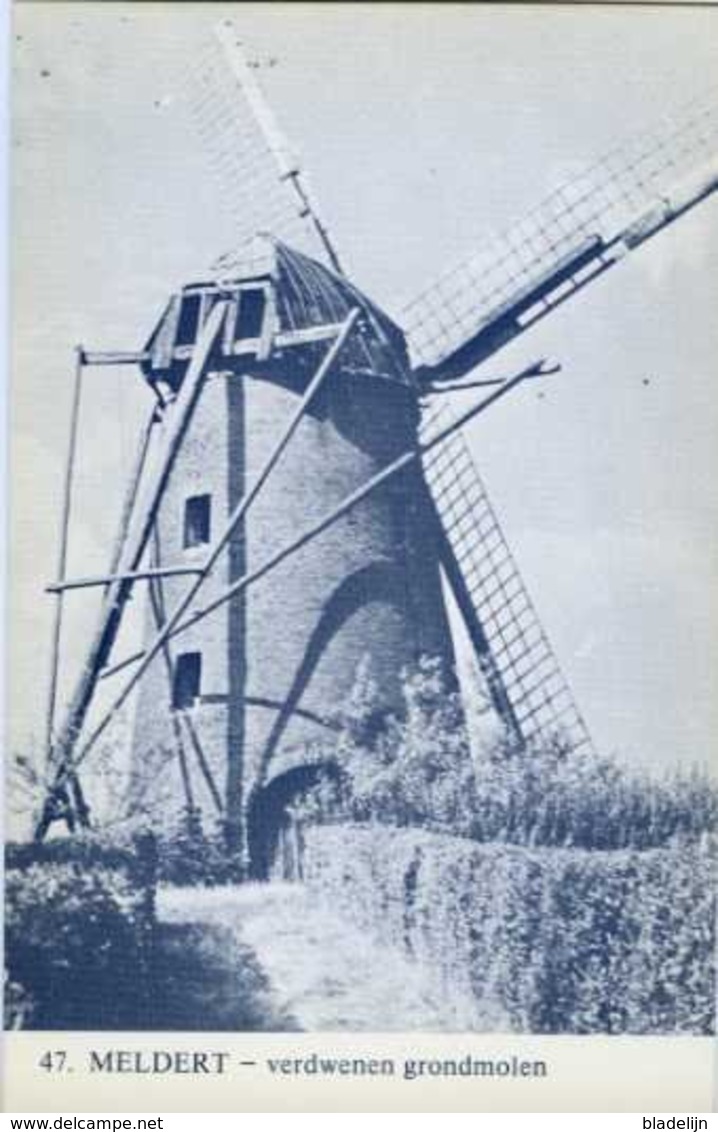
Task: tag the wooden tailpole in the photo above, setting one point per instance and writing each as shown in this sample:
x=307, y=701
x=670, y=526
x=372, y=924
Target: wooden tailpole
x=139, y=529
x=234, y=520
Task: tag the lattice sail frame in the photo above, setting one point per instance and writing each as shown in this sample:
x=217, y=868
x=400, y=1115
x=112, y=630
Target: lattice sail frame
x=538, y=692
x=579, y=230
x=263, y=187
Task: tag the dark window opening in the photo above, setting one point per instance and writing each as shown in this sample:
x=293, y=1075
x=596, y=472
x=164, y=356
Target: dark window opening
x=188, y=320
x=197, y=511
x=186, y=680
x=250, y=315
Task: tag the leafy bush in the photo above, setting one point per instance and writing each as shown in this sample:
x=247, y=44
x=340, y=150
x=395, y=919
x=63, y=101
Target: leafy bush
x=124, y=796
x=189, y=855
x=77, y=940
x=86, y=850
x=18, y=1004
x=412, y=769
x=549, y=795
x=416, y=770
x=535, y=940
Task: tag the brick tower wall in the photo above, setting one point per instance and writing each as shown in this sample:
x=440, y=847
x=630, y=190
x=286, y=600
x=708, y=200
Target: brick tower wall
x=279, y=661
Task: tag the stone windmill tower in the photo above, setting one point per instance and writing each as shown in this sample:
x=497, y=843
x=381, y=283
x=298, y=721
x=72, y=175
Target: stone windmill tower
x=261, y=681
x=301, y=489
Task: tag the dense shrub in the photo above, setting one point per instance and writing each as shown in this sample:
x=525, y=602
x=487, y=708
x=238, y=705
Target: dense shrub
x=188, y=854
x=535, y=940
x=86, y=850
x=78, y=936
x=84, y=951
x=408, y=769
x=548, y=795
x=416, y=770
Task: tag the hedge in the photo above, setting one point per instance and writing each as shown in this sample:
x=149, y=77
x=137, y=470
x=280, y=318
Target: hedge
x=137, y=857
x=78, y=935
x=535, y=940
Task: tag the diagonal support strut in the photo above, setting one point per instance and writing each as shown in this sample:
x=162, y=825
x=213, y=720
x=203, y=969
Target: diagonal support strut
x=236, y=517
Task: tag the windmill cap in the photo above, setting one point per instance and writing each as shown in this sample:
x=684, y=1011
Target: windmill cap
x=305, y=295
x=307, y=292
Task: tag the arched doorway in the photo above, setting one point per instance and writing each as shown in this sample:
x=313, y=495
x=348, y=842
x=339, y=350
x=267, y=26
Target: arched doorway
x=273, y=837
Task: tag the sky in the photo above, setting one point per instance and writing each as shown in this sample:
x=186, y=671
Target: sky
x=426, y=129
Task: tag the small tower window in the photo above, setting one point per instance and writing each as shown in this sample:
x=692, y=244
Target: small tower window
x=250, y=314
x=186, y=680
x=197, y=513
x=188, y=326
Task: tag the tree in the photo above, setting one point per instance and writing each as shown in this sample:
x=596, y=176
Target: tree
x=412, y=768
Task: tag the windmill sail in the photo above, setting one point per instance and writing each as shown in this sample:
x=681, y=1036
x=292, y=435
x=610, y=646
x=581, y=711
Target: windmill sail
x=458, y=322
x=513, y=649
x=261, y=180
x=581, y=230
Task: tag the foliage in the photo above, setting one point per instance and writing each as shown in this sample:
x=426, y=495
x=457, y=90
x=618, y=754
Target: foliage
x=18, y=1005
x=412, y=769
x=530, y=939
x=550, y=795
x=125, y=799
x=77, y=940
x=415, y=769
x=187, y=854
x=86, y=850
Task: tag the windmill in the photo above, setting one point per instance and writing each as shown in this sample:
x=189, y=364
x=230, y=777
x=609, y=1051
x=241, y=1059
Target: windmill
x=292, y=416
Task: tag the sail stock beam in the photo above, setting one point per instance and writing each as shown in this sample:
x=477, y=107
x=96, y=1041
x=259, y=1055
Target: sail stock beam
x=288, y=168
x=526, y=306
x=482, y=649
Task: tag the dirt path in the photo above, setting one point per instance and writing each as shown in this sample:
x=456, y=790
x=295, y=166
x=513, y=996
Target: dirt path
x=322, y=973
x=205, y=978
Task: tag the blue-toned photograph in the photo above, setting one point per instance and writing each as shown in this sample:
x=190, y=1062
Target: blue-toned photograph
x=364, y=522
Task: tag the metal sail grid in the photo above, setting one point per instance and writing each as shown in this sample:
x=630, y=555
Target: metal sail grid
x=593, y=211
x=260, y=181
x=542, y=702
